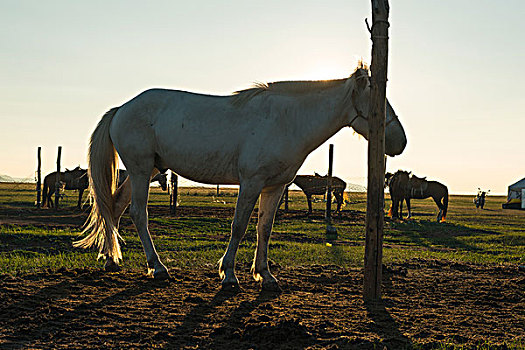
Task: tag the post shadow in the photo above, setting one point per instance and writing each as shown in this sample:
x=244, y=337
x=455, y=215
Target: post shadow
x=385, y=326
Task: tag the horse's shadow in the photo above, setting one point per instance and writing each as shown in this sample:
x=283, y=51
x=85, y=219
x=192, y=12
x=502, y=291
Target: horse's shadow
x=230, y=329
x=431, y=234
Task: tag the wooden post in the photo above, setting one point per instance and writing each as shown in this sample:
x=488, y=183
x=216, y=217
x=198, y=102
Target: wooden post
x=376, y=152
x=331, y=232
x=174, y=190
x=39, y=178
x=218, y=190
x=286, y=199
x=57, y=179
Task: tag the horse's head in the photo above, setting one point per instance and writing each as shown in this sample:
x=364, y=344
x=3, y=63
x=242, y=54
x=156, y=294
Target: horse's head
x=358, y=96
x=76, y=177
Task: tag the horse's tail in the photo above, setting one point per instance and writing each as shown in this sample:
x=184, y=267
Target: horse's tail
x=445, y=204
x=102, y=172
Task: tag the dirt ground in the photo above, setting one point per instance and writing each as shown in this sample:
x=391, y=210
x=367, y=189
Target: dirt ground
x=425, y=303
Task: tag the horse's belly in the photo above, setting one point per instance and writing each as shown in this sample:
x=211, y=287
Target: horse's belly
x=206, y=167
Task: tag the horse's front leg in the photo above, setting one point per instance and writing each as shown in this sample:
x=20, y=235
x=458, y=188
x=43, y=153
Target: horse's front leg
x=339, y=199
x=309, y=199
x=407, y=200
x=248, y=194
x=267, y=208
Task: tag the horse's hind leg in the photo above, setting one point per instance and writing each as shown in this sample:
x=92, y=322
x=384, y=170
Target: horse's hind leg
x=267, y=207
x=50, y=202
x=440, y=206
x=139, y=215
x=248, y=193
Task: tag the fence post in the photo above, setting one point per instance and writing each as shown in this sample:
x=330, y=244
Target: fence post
x=376, y=152
x=286, y=198
x=218, y=190
x=57, y=179
x=174, y=190
x=39, y=178
x=331, y=232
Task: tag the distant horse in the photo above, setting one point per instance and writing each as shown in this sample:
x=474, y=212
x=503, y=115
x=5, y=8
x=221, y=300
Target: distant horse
x=316, y=185
x=397, y=184
x=257, y=138
x=75, y=179
x=420, y=188
x=404, y=186
x=162, y=179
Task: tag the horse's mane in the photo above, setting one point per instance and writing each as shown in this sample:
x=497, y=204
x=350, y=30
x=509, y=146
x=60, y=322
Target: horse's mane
x=290, y=88
x=298, y=87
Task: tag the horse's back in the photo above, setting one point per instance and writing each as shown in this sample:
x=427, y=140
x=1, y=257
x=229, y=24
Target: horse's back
x=437, y=186
x=198, y=136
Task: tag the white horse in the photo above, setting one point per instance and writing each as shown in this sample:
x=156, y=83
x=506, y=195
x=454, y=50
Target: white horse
x=257, y=138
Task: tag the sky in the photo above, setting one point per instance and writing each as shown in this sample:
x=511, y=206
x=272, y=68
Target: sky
x=455, y=74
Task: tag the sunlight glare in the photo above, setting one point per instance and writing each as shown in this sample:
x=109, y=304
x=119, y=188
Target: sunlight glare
x=327, y=72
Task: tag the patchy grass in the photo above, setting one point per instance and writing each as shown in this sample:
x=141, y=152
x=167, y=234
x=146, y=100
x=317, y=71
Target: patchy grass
x=490, y=236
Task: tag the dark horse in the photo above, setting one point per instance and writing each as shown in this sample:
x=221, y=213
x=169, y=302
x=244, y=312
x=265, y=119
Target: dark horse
x=316, y=184
x=75, y=179
x=404, y=186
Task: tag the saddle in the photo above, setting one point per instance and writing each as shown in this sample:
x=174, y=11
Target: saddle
x=417, y=185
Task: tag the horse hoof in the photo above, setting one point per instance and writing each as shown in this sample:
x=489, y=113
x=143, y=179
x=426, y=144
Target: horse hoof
x=162, y=276
x=110, y=266
x=272, y=286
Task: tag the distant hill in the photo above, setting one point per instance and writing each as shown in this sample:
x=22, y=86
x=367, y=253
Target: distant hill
x=7, y=178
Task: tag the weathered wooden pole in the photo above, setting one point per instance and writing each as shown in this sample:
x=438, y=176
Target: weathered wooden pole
x=328, y=212
x=331, y=232
x=376, y=152
x=174, y=193
x=218, y=193
x=57, y=179
x=39, y=178
x=286, y=199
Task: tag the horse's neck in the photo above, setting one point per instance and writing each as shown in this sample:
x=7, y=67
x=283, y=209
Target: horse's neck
x=316, y=118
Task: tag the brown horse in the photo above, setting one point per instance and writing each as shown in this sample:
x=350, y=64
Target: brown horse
x=316, y=184
x=75, y=179
x=397, y=184
x=405, y=187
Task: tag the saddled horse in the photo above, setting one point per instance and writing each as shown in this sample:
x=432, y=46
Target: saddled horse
x=404, y=186
x=316, y=185
x=162, y=179
x=257, y=138
x=75, y=179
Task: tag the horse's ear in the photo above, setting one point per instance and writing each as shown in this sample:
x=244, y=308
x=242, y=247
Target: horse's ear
x=67, y=169
x=361, y=79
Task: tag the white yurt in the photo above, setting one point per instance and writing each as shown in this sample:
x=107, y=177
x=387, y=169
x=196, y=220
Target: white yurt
x=515, y=197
